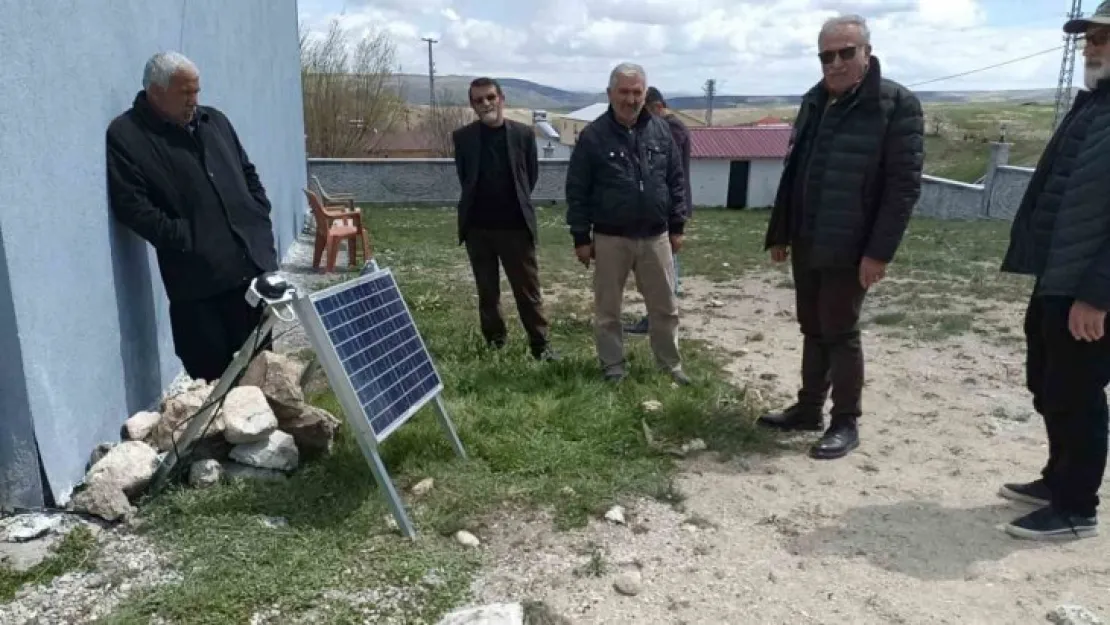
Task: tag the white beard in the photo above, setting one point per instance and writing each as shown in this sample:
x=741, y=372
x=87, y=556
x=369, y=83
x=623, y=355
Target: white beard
x=1093, y=75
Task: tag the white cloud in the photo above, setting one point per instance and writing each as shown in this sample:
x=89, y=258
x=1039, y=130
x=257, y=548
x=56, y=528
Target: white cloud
x=750, y=46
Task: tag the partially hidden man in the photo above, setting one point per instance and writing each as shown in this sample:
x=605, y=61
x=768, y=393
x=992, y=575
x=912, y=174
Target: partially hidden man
x=1061, y=236
x=498, y=167
x=847, y=192
x=180, y=178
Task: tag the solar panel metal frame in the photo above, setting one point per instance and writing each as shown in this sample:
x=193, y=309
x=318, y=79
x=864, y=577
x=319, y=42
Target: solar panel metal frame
x=305, y=307
x=423, y=348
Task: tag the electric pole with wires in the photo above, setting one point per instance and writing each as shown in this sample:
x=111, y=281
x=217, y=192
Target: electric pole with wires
x=1067, y=68
x=431, y=72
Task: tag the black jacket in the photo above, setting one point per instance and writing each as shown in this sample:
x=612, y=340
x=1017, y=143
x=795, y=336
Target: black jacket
x=681, y=136
x=194, y=195
x=863, y=177
x=1061, y=232
x=625, y=182
x=523, y=159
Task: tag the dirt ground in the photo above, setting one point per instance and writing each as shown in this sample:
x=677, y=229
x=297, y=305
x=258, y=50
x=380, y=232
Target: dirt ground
x=904, y=530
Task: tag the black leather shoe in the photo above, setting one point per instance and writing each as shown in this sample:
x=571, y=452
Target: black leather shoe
x=794, y=418
x=838, y=441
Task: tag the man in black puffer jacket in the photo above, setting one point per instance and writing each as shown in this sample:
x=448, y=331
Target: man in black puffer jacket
x=1061, y=235
x=848, y=189
x=179, y=178
x=626, y=208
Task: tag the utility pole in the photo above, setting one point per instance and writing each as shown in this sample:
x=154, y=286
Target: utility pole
x=1067, y=68
x=431, y=72
x=710, y=92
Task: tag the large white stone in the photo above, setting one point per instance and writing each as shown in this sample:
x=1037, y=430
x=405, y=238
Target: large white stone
x=493, y=614
x=247, y=416
x=128, y=467
x=278, y=452
x=141, y=424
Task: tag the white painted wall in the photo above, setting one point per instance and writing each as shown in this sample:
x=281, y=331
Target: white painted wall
x=763, y=182
x=709, y=181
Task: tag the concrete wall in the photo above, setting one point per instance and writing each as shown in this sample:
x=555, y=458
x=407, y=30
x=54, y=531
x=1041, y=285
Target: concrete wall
x=948, y=199
x=416, y=181
x=1005, y=196
x=434, y=181
x=83, y=317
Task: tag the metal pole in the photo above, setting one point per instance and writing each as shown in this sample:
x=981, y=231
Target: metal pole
x=431, y=72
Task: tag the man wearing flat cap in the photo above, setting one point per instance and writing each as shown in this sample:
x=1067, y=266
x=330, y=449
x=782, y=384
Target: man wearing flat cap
x=1061, y=237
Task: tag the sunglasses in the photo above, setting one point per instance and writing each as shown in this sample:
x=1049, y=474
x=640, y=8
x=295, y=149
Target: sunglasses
x=845, y=54
x=1095, y=38
x=489, y=98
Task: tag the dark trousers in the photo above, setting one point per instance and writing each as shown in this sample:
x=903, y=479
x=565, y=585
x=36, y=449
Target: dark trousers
x=828, y=307
x=208, y=332
x=515, y=251
x=1068, y=378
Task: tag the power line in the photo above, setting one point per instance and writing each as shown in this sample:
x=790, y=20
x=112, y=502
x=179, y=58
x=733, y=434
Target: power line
x=983, y=69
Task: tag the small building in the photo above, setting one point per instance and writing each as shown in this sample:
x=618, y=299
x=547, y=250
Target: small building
x=570, y=124
x=548, y=143
x=737, y=166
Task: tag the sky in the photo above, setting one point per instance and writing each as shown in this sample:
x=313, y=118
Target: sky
x=751, y=47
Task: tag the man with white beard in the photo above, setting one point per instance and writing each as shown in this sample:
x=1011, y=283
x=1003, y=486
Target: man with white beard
x=497, y=164
x=1061, y=236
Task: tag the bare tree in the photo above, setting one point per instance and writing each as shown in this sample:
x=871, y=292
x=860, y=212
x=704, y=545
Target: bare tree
x=351, y=96
x=451, y=111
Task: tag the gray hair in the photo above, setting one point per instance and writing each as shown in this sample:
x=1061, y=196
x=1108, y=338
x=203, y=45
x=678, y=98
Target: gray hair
x=628, y=70
x=845, y=20
x=162, y=67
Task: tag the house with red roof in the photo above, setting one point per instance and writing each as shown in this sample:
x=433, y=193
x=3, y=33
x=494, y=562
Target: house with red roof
x=737, y=166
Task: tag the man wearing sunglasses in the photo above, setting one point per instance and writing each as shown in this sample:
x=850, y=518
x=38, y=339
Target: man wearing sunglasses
x=847, y=191
x=497, y=165
x=1061, y=236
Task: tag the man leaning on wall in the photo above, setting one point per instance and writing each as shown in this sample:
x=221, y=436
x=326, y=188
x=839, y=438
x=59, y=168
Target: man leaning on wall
x=179, y=177
x=846, y=195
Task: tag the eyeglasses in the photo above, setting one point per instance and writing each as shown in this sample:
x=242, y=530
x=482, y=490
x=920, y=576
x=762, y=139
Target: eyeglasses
x=845, y=54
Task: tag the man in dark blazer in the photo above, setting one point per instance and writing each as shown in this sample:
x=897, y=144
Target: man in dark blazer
x=498, y=167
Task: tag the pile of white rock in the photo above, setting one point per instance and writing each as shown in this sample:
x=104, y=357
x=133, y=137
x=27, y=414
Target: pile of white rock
x=263, y=430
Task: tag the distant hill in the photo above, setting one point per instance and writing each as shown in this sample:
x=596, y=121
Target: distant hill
x=527, y=94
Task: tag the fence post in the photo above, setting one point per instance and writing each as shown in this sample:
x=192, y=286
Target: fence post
x=999, y=155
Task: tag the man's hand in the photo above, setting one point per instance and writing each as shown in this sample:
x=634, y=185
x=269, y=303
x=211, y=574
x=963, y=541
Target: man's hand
x=779, y=253
x=870, y=272
x=676, y=243
x=584, y=253
x=1085, y=322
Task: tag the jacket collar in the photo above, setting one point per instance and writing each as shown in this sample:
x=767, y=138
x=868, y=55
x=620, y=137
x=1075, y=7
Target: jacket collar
x=155, y=119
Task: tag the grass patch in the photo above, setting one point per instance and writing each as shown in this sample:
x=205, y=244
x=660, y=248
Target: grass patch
x=74, y=552
x=550, y=435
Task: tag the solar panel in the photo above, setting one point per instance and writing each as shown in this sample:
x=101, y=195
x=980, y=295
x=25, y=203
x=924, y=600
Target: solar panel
x=377, y=364
x=379, y=348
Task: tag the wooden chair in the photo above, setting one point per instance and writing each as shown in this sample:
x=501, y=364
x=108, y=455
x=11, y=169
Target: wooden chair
x=334, y=199
x=334, y=227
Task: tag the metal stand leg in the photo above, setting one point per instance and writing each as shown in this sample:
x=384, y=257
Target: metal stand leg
x=449, y=428
x=199, y=422
x=381, y=476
